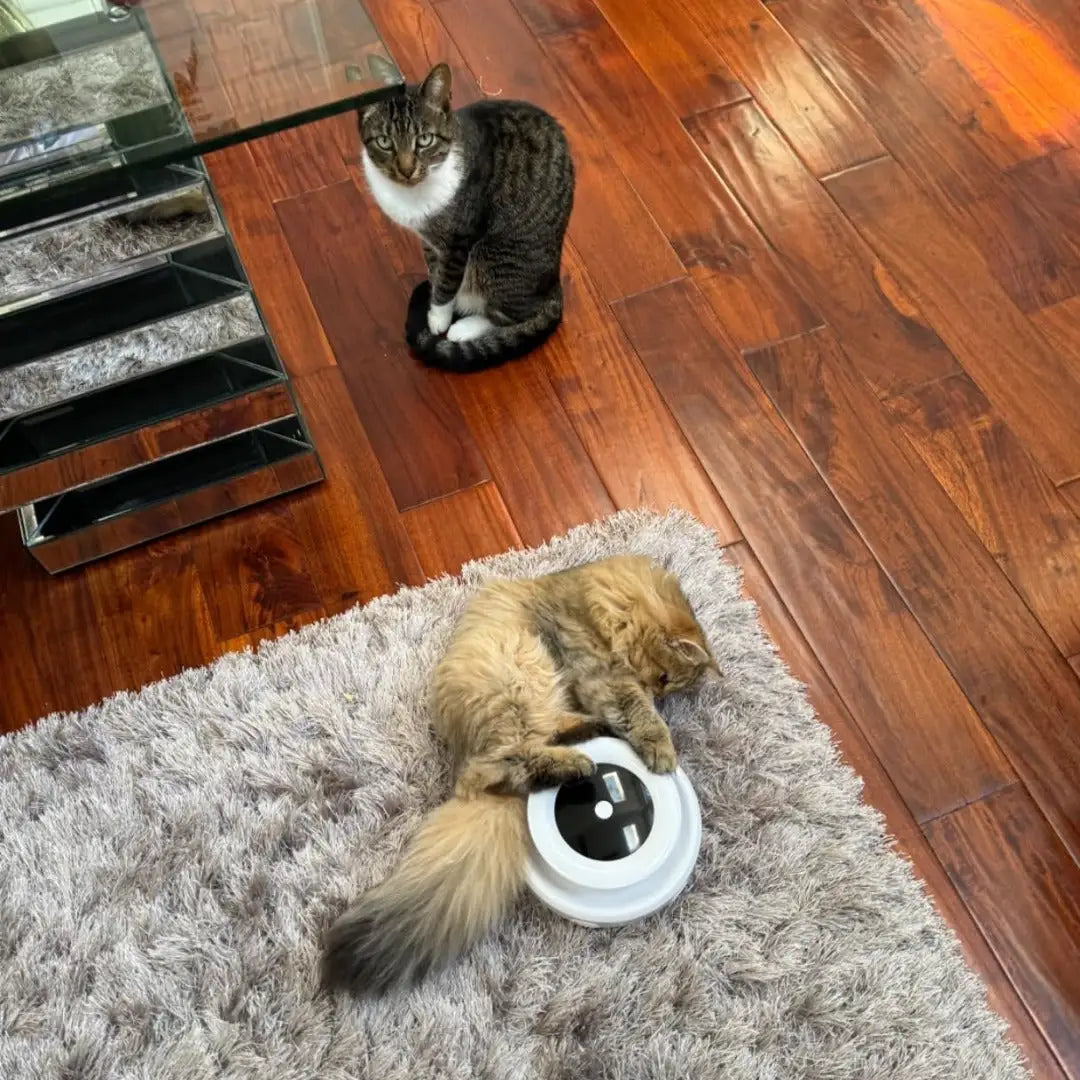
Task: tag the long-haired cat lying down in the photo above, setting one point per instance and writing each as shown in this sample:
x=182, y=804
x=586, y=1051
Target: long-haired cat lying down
x=533, y=665
x=488, y=188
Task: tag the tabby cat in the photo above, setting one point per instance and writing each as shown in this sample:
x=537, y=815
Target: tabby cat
x=533, y=665
x=488, y=188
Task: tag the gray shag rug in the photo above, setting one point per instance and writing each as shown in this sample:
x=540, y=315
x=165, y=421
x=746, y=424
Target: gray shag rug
x=84, y=87
x=65, y=375
x=169, y=860
x=91, y=248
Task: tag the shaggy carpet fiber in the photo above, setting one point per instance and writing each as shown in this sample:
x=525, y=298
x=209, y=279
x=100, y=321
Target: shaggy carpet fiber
x=169, y=860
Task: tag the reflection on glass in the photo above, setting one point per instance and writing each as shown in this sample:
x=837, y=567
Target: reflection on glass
x=166, y=479
x=128, y=406
x=172, y=78
x=614, y=786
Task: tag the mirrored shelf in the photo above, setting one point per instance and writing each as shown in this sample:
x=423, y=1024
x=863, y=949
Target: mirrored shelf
x=27, y=210
x=139, y=389
x=80, y=103
x=99, y=519
x=165, y=80
x=87, y=438
x=114, y=242
x=203, y=273
x=104, y=362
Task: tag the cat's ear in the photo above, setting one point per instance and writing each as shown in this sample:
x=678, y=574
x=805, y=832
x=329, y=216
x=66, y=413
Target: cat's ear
x=383, y=70
x=692, y=652
x=362, y=115
x=435, y=89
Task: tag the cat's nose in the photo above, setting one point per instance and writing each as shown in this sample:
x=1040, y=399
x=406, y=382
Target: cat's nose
x=406, y=164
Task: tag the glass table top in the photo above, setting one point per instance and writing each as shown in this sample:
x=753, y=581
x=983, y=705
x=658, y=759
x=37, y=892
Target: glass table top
x=87, y=85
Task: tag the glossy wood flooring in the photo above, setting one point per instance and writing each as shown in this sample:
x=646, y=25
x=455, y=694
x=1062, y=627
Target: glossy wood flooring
x=823, y=289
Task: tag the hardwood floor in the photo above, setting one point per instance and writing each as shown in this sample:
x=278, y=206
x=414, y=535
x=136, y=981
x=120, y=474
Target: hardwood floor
x=823, y=290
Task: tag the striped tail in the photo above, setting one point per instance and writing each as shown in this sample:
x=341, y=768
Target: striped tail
x=500, y=344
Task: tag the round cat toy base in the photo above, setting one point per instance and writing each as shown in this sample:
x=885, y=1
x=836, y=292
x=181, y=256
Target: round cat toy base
x=616, y=846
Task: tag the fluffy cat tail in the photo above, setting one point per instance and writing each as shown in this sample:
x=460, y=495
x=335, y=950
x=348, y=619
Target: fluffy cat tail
x=498, y=345
x=461, y=872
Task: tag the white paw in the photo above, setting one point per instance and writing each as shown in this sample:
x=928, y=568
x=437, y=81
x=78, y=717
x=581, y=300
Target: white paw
x=469, y=328
x=439, y=316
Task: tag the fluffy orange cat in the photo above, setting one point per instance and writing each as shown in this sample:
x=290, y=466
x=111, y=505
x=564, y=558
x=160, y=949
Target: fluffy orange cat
x=533, y=665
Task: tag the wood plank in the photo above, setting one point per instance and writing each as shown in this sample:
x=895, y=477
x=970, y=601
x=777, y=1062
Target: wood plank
x=1005, y=126
x=1053, y=181
x=711, y=232
x=998, y=120
x=1025, y=56
x=262, y=59
x=1058, y=19
x=356, y=545
x=299, y=159
x=268, y=262
x=447, y=533
x=418, y=40
x=1019, y=516
x=905, y=29
x=867, y=640
x=253, y=569
x=1022, y=246
x=39, y=618
x=1035, y=260
x=882, y=794
x=826, y=257
x=542, y=471
x=637, y=448
x=131, y=594
x=995, y=648
x=911, y=124
x=672, y=52
x=545, y=17
x=363, y=310
x=624, y=249
x=252, y=639
x=1034, y=391
x=1060, y=326
x=1033, y=924
x=1071, y=493
x=826, y=130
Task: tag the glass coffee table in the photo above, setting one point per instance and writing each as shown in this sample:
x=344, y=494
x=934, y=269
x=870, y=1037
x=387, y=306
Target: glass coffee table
x=140, y=391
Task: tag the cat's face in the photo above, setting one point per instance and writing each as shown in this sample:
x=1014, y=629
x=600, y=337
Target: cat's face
x=409, y=136
x=677, y=660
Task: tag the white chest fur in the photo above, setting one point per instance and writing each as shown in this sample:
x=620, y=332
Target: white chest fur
x=412, y=206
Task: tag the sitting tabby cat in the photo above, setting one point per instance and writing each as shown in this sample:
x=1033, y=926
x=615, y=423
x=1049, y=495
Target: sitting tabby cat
x=488, y=188
x=533, y=665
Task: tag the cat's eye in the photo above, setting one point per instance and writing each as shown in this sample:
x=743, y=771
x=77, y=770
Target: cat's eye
x=664, y=678
x=384, y=142
x=425, y=139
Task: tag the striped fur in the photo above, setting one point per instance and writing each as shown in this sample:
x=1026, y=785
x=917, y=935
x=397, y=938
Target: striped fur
x=493, y=247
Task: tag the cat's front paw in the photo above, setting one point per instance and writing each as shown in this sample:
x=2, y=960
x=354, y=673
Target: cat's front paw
x=439, y=317
x=657, y=751
x=560, y=765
